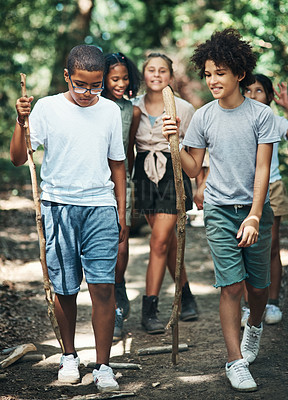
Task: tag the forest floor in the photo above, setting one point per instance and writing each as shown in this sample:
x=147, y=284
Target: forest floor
x=200, y=373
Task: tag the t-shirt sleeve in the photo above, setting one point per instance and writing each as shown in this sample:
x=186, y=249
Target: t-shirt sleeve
x=37, y=125
x=116, y=148
x=194, y=136
x=283, y=128
x=266, y=129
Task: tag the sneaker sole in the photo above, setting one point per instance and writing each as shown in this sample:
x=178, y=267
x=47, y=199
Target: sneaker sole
x=189, y=318
x=269, y=322
x=108, y=389
x=155, y=331
x=67, y=379
x=254, y=389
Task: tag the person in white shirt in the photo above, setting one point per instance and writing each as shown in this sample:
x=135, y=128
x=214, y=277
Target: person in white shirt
x=83, y=184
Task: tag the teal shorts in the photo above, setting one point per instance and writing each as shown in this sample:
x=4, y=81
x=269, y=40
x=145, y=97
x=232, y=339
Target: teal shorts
x=232, y=263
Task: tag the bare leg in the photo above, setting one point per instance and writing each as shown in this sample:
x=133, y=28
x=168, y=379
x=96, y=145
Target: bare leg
x=66, y=313
x=230, y=317
x=245, y=294
x=162, y=227
x=257, y=299
x=122, y=260
x=171, y=259
x=103, y=317
x=276, y=265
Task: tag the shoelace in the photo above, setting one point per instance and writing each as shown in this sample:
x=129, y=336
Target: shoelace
x=272, y=309
x=242, y=371
x=105, y=377
x=252, y=341
x=72, y=364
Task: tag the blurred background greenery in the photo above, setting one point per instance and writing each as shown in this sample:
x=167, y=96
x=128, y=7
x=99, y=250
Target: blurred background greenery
x=36, y=36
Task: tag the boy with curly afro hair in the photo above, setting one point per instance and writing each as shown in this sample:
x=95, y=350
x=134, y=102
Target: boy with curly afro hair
x=239, y=134
x=227, y=48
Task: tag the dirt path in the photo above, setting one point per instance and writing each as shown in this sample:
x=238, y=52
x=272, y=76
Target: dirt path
x=200, y=373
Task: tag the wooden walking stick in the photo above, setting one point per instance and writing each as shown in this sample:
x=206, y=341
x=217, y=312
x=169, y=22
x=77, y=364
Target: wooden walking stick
x=36, y=198
x=170, y=108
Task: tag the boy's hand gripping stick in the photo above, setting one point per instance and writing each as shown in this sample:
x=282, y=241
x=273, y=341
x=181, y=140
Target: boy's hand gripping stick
x=170, y=109
x=36, y=198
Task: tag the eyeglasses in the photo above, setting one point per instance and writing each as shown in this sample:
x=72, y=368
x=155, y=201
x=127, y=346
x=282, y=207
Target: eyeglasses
x=82, y=90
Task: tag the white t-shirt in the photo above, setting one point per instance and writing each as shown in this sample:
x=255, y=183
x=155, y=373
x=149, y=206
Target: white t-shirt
x=77, y=144
x=232, y=137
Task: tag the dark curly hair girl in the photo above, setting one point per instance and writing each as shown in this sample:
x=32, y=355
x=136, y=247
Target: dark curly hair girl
x=113, y=59
x=226, y=48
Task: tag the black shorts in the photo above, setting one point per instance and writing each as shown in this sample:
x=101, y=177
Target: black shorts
x=150, y=198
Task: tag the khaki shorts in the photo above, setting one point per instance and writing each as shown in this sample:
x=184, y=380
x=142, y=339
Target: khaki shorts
x=278, y=198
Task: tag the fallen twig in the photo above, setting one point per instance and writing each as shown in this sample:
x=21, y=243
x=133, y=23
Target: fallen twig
x=161, y=349
x=17, y=353
x=118, y=365
x=36, y=357
x=112, y=395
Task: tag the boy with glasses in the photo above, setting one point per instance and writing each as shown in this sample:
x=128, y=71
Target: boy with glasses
x=83, y=167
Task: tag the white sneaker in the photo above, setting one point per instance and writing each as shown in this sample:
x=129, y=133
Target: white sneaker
x=105, y=380
x=250, y=344
x=69, y=369
x=273, y=314
x=240, y=377
x=245, y=316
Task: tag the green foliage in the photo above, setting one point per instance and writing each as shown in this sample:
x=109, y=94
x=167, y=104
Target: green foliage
x=12, y=177
x=33, y=36
x=36, y=36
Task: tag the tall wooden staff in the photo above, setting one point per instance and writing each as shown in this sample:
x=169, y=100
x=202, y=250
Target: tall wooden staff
x=36, y=198
x=170, y=108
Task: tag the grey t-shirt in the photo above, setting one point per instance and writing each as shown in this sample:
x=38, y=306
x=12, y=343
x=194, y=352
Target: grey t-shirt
x=232, y=137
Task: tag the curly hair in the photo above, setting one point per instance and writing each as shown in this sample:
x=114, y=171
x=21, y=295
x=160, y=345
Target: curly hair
x=113, y=59
x=227, y=49
x=86, y=58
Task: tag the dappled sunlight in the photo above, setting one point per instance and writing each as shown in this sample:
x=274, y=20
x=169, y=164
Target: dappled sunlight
x=28, y=272
x=192, y=379
x=196, y=288
x=284, y=256
x=16, y=202
x=54, y=359
x=84, y=298
x=133, y=293
x=85, y=345
x=86, y=380
x=137, y=247
x=122, y=347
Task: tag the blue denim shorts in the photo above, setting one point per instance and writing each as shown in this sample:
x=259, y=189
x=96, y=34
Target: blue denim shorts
x=232, y=263
x=79, y=238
